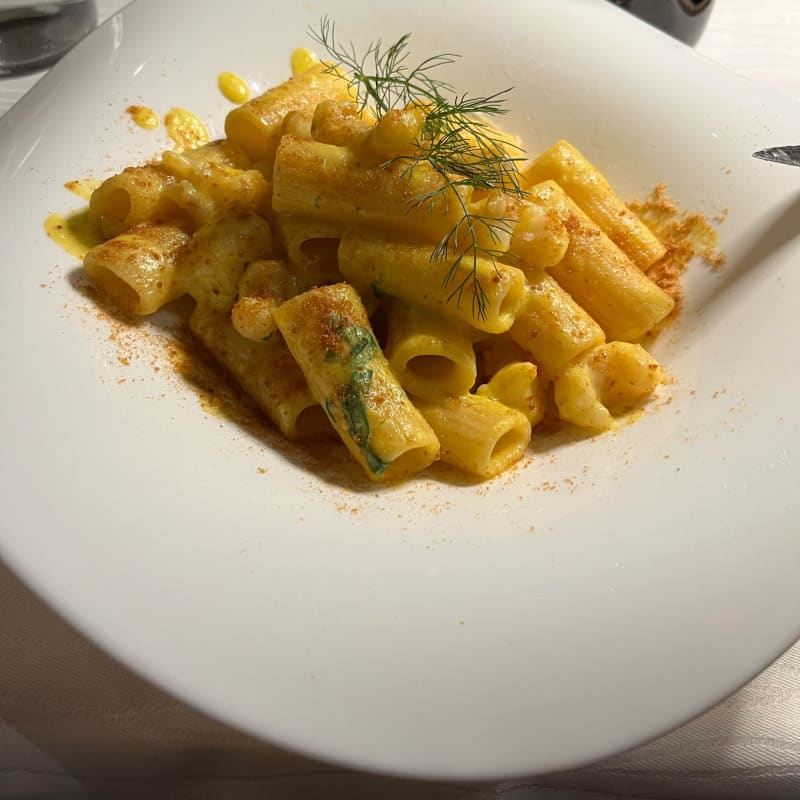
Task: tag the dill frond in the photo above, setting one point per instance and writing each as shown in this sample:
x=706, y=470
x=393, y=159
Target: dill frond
x=455, y=140
x=381, y=76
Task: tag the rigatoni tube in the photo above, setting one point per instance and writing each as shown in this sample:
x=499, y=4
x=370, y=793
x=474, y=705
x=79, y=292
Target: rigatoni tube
x=139, y=269
x=326, y=181
x=599, y=276
x=477, y=434
x=429, y=353
x=214, y=180
x=132, y=197
x=551, y=326
x=328, y=333
x=265, y=370
x=257, y=125
x=311, y=248
x=563, y=164
x=406, y=270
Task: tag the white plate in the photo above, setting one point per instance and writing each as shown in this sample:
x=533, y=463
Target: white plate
x=594, y=598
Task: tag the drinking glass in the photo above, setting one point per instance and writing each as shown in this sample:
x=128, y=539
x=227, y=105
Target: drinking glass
x=35, y=34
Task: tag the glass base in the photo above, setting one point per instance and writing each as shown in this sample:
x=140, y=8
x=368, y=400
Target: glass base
x=34, y=36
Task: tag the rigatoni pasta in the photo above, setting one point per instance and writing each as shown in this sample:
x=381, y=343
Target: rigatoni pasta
x=379, y=266
x=257, y=125
x=591, y=192
x=428, y=352
x=625, y=303
x=329, y=334
x=478, y=435
x=333, y=183
x=132, y=197
x=139, y=270
x=265, y=370
x=372, y=262
x=551, y=327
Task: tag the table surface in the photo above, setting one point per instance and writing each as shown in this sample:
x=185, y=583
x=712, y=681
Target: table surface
x=75, y=724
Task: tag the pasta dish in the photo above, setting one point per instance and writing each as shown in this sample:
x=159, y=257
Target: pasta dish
x=368, y=252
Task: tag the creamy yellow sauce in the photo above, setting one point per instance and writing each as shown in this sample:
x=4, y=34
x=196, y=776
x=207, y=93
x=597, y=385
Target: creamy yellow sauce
x=185, y=129
x=234, y=87
x=302, y=59
x=144, y=117
x=73, y=234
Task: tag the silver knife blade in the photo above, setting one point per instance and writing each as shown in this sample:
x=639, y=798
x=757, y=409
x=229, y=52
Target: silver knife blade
x=788, y=154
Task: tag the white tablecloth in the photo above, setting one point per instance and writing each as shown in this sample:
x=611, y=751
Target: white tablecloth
x=75, y=724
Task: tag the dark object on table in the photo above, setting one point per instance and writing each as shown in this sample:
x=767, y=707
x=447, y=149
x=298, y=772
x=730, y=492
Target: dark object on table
x=684, y=19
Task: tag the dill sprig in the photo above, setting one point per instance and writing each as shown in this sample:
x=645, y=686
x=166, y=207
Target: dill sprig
x=381, y=76
x=454, y=140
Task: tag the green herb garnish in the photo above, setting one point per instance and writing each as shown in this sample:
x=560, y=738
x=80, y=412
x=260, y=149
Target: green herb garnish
x=454, y=141
x=349, y=397
x=362, y=344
